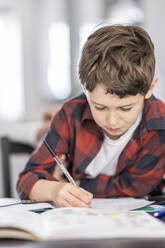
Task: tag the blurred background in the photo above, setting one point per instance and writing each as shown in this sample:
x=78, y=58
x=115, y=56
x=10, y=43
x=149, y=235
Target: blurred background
x=40, y=46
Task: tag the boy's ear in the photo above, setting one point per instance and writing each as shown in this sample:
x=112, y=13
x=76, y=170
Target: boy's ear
x=149, y=92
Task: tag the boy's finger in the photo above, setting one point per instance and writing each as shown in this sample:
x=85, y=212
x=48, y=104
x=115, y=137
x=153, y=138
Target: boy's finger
x=87, y=192
x=80, y=194
x=78, y=183
x=75, y=202
x=62, y=158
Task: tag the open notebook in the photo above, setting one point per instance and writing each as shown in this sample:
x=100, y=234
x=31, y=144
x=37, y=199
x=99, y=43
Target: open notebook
x=78, y=223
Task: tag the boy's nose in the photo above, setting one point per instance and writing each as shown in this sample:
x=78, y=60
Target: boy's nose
x=112, y=119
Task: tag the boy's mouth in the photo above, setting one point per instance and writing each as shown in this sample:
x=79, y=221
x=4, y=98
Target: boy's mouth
x=114, y=130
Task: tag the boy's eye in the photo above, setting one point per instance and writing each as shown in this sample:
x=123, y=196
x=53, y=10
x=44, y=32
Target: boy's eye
x=99, y=108
x=125, y=109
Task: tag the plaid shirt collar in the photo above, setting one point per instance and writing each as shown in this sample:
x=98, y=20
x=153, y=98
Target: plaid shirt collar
x=153, y=118
x=87, y=115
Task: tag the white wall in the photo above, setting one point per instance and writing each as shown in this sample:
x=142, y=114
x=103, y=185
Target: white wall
x=31, y=14
x=155, y=19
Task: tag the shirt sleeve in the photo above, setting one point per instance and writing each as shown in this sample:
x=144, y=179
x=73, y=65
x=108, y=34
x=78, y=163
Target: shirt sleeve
x=41, y=163
x=139, y=177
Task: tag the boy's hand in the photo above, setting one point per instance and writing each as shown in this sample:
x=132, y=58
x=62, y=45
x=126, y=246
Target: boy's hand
x=62, y=193
x=58, y=174
x=67, y=195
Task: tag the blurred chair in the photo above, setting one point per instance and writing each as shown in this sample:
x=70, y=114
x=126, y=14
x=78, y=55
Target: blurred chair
x=10, y=147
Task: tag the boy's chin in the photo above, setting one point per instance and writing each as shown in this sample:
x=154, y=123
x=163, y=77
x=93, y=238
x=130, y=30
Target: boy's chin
x=113, y=136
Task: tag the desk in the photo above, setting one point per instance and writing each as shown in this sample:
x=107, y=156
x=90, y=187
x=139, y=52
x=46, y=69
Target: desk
x=111, y=243
x=100, y=243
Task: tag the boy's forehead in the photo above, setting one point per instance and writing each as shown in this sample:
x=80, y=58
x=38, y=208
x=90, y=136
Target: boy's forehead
x=99, y=95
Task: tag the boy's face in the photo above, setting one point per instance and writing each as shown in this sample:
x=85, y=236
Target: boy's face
x=113, y=114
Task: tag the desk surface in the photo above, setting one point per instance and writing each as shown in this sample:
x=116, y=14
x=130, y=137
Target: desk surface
x=104, y=243
x=111, y=243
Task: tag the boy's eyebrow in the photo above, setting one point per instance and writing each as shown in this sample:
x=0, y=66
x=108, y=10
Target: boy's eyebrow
x=97, y=103
x=127, y=105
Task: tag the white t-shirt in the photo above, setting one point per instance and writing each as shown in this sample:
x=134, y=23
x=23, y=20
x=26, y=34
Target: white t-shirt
x=106, y=160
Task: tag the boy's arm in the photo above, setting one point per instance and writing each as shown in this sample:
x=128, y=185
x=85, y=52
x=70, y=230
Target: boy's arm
x=128, y=183
x=41, y=163
x=41, y=185
x=41, y=182
x=38, y=181
x=62, y=194
x=140, y=176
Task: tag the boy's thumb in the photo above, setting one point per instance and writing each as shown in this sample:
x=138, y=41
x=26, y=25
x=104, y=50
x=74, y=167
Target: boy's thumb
x=63, y=157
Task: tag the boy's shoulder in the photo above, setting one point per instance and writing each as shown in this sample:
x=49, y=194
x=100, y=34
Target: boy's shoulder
x=156, y=104
x=161, y=105
x=154, y=110
x=77, y=107
x=80, y=99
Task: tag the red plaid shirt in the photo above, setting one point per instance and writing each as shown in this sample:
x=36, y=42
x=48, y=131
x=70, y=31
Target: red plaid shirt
x=73, y=132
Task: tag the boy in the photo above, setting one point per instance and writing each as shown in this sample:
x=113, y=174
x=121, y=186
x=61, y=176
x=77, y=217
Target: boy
x=113, y=135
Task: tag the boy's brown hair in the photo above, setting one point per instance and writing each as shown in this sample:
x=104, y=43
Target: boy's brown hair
x=120, y=57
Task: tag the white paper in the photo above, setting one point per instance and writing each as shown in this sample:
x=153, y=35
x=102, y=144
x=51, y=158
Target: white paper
x=7, y=201
x=120, y=204
x=112, y=204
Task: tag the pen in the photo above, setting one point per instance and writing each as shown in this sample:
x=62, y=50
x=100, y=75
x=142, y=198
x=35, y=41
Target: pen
x=56, y=158
x=23, y=202
x=160, y=213
x=158, y=199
